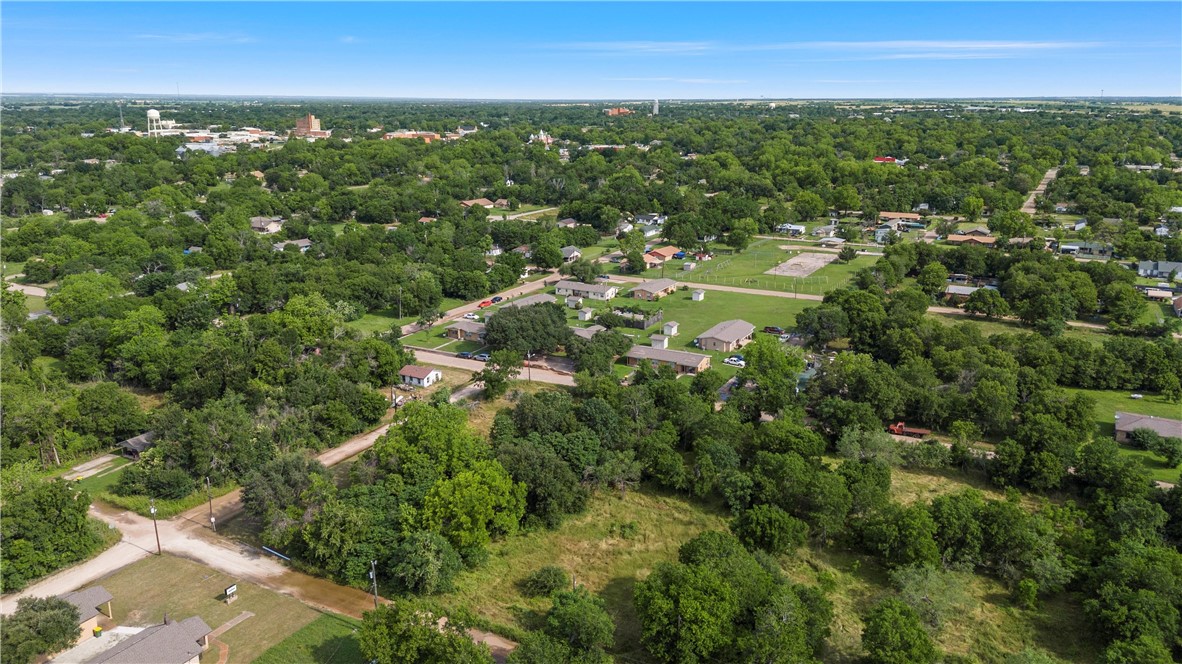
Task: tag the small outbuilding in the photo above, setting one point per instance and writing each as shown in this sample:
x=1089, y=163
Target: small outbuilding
x=586, y=313
x=134, y=447
x=669, y=329
x=698, y=295
x=659, y=341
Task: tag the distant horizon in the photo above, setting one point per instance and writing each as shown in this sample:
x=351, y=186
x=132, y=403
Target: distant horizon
x=580, y=51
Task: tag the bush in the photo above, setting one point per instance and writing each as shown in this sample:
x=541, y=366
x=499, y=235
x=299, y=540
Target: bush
x=544, y=581
x=929, y=453
x=426, y=563
x=769, y=528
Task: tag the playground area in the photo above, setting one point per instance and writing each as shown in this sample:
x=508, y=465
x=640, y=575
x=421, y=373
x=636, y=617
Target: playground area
x=802, y=265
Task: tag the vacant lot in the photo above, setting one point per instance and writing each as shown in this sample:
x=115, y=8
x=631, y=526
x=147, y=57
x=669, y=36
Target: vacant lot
x=157, y=585
x=330, y=639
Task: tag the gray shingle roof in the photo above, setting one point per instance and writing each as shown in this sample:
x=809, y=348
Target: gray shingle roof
x=1133, y=421
x=679, y=357
x=729, y=331
x=529, y=301
x=655, y=286
x=171, y=643
x=88, y=601
x=140, y=442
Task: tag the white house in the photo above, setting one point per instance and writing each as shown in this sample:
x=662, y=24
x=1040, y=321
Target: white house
x=791, y=229
x=413, y=374
x=590, y=291
x=571, y=254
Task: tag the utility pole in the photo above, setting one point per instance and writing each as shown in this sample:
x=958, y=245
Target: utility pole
x=400, y=303
x=529, y=366
x=209, y=495
x=373, y=574
x=152, y=509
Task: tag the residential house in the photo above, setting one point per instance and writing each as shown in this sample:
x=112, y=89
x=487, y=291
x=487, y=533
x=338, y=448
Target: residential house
x=494, y=252
x=650, y=231
x=90, y=603
x=1062, y=208
x=1080, y=225
x=665, y=253
x=193, y=214
x=1159, y=294
x=466, y=330
x=530, y=300
x=464, y=130
x=825, y=231
x=922, y=207
x=654, y=290
x=1178, y=306
x=651, y=218
x=587, y=332
x=523, y=250
x=727, y=336
x=958, y=294
x=1161, y=231
x=571, y=254
x=832, y=241
x=1127, y=423
x=883, y=233
x=898, y=216
x=134, y=447
x=419, y=376
x=192, y=250
x=1159, y=269
x=502, y=203
x=303, y=245
x=1020, y=241
x=791, y=229
x=266, y=225
x=426, y=220
x=958, y=239
x=1101, y=249
x=477, y=202
x=567, y=223
x=979, y=231
x=624, y=227
x=590, y=291
x=170, y=643
x=683, y=362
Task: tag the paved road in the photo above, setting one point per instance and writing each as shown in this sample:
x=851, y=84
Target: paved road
x=1028, y=206
x=449, y=360
x=451, y=314
x=36, y=291
x=728, y=289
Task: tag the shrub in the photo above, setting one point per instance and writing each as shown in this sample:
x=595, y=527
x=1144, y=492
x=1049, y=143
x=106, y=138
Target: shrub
x=544, y=581
x=770, y=528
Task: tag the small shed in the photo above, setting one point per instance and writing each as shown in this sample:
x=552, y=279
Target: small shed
x=134, y=447
x=659, y=341
x=689, y=266
x=698, y=295
x=586, y=313
x=574, y=301
x=670, y=329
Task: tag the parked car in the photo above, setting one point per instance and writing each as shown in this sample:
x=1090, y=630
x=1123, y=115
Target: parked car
x=785, y=338
x=486, y=303
x=497, y=299
x=1136, y=396
x=605, y=277
x=680, y=254
x=483, y=357
x=464, y=355
x=735, y=362
x=774, y=329
x=738, y=357
x=471, y=316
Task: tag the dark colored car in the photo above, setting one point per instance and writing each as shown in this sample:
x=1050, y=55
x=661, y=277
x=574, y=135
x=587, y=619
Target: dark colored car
x=773, y=329
x=497, y=299
x=466, y=355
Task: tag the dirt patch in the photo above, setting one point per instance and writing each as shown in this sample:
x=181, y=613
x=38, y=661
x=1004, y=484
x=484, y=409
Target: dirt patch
x=802, y=265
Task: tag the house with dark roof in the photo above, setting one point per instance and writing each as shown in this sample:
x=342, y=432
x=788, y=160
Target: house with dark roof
x=530, y=300
x=170, y=643
x=266, y=225
x=567, y=223
x=134, y=447
x=419, y=376
x=1158, y=269
x=957, y=294
x=1127, y=423
x=303, y=245
x=571, y=254
x=587, y=332
x=90, y=603
x=727, y=336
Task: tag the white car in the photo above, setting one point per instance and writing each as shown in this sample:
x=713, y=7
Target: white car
x=735, y=362
x=1136, y=396
x=472, y=316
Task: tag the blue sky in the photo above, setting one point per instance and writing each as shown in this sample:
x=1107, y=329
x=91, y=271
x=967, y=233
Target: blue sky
x=596, y=51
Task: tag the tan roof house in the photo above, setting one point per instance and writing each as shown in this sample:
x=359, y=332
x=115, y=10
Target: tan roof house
x=727, y=336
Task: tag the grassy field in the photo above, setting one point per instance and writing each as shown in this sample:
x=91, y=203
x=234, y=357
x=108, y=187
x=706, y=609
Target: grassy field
x=384, y=319
x=990, y=327
x=1110, y=401
x=588, y=548
x=165, y=509
x=329, y=639
x=104, y=480
x=146, y=590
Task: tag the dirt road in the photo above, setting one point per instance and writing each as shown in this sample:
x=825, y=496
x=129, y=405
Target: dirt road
x=449, y=360
x=35, y=291
x=1028, y=206
x=729, y=289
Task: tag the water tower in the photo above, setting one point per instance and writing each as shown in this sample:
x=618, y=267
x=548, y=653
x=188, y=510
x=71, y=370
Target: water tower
x=154, y=126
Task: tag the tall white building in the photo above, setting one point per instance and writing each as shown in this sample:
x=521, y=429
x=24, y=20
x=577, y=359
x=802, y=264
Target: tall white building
x=656, y=107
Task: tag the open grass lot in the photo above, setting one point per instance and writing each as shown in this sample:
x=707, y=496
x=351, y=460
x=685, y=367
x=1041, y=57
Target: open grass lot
x=588, y=547
x=329, y=639
x=990, y=327
x=104, y=480
x=384, y=319
x=1110, y=401
x=146, y=590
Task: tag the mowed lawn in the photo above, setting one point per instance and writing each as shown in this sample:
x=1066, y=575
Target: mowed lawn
x=329, y=639
x=146, y=590
x=590, y=548
x=384, y=319
x=1110, y=401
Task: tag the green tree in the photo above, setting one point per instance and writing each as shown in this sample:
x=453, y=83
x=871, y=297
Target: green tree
x=972, y=207
x=894, y=634
x=808, y=205
x=987, y=302
x=40, y=626
x=770, y=528
x=502, y=367
x=403, y=634
x=686, y=613
x=424, y=563
x=579, y=619
x=475, y=506
x=847, y=254
x=932, y=278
